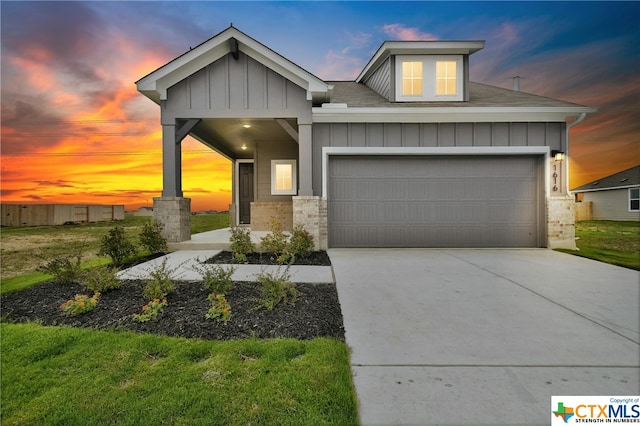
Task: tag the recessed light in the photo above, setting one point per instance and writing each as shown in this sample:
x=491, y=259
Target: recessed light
x=244, y=146
x=246, y=126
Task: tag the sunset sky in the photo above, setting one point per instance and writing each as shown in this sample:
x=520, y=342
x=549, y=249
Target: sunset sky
x=75, y=130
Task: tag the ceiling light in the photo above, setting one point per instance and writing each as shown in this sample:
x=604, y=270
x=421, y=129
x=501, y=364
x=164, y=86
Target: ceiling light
x=244, y=146
x=246, y=126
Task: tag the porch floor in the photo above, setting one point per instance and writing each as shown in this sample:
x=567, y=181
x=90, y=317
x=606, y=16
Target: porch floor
x=217, y=239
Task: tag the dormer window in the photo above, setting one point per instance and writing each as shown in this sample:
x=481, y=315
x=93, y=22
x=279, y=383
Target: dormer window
x=429, y=78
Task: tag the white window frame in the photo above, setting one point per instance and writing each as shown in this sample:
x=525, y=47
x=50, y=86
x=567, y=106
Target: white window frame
x=633, y=199
x=429, y=77
x=294, y=180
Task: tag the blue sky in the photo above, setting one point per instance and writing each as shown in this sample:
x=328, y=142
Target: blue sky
x=67, y=64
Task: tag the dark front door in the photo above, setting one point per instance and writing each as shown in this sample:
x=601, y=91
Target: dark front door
x=246, y=191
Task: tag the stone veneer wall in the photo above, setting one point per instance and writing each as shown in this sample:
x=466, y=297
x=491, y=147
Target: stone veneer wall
x=174, y=213
x=561, y=231
x=262, y=213
x=311, y=213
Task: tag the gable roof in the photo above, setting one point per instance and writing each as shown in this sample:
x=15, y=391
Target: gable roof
x=624, y=179
x=155, y=84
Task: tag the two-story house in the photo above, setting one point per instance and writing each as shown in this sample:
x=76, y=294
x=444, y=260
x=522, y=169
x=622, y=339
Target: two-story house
x=410, y=154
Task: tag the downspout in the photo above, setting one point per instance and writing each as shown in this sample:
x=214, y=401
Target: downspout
x=575, y=122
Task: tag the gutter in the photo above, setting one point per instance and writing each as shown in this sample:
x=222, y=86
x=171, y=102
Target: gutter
x=575, y=122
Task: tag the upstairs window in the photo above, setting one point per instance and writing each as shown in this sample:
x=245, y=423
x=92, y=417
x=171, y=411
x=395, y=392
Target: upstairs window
x=411, y=78
x=422, y=78
x=634, y=200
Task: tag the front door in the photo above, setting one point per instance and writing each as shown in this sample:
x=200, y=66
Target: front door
x=245, y=191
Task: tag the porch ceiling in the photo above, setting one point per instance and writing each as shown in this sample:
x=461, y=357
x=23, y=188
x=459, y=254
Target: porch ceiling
x=228, y=135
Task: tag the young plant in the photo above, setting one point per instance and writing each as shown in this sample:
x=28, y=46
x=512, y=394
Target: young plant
x=64, y=268
x=160, y=284
x=220, y=308
x=216, y=279
x=101, y=279
x=300, y=243
x=80, y=304
x=241, y=244
x=151, y=310
x=274, y=242
x=116, y=245
x=151, y=238
x=277, y=287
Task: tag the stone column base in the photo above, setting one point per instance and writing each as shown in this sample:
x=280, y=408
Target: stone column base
x=174, y=213
x=561, y=231
x=311, y=213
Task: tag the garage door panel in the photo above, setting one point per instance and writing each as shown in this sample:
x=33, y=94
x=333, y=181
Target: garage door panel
x=435, y=201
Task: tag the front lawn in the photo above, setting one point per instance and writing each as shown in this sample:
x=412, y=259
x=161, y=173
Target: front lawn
x=60, y=375
x=612, y=242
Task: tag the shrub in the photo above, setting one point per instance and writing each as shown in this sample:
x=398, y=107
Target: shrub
x=64, y=268
x=216, y=279
x=151, y=238
x=116, y=245
x=220, y=308
x=151, y=310
x=241, y=244
x=159, y=284
x=275, y=241
x=80, y=304
x=277, y=287
x=300, y=243
x=101, y=279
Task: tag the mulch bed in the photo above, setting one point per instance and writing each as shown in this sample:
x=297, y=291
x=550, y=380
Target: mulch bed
x=316, y=258
x=316, y=313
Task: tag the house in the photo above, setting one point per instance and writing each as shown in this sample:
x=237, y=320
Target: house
x=615, y=197
x=410, y=154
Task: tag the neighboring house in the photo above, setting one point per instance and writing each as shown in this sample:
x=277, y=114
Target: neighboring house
x=615, y=197
x=410, y=154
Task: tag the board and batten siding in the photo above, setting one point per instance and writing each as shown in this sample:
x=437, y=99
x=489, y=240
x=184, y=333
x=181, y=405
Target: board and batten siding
x=611, y=205
x=380, y=80
x=430, y=135
x=236, y=89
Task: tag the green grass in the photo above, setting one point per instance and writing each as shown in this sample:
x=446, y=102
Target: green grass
x=23, y=249
x=614, y=242
x=60, y=375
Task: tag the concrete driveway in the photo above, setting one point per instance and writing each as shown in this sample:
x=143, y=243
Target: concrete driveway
x=484, y=336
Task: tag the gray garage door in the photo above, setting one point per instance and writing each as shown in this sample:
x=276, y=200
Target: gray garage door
x=436, y=201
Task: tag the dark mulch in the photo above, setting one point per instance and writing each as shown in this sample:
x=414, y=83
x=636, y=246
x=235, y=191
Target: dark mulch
x=316, y=258
x=315, y=314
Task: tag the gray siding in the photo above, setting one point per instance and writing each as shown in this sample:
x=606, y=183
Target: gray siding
x=611, y=205
x=236, y=88
x=430, y=135
x=267, y=151
x=380, y=80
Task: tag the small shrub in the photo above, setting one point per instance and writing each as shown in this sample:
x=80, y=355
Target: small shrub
x=300, y=243
x=159, y=284
x=116, y=245
x=241, y=244
x=217, y=279
x=275, y=241
x=64, y=268
x=101, y=279
x=151, y=310
x=80, y=304
x=151, y=238
x=220, y=308
x=277, y=287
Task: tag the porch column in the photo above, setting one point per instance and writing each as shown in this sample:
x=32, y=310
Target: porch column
x=305, y=161
x=171, y=162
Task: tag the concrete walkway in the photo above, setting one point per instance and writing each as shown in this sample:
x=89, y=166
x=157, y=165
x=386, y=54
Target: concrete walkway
x=182, y=264
x=484, y=336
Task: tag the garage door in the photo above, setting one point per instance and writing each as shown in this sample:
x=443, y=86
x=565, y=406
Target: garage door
x=435, y=201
